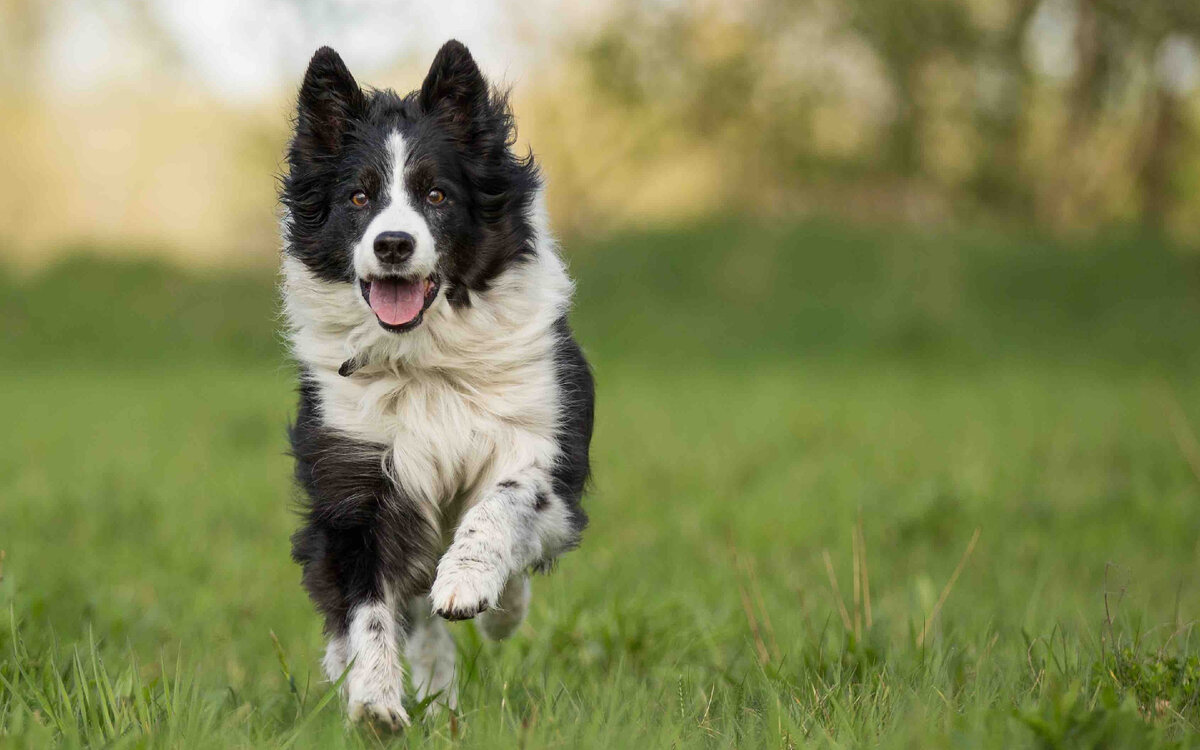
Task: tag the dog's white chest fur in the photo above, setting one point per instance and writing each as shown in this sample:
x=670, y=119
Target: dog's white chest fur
x=451, y=434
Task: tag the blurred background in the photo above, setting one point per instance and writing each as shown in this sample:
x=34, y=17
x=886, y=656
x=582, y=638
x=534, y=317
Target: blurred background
x=153, y=127
x=875, y=175
x=862, y=281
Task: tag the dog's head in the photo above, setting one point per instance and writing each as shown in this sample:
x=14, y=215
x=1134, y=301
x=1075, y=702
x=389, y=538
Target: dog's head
x=404, y=199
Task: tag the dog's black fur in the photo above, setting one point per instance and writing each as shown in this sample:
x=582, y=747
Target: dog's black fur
x=575, y=427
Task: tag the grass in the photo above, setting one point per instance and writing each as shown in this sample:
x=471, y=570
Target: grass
x=836, y=505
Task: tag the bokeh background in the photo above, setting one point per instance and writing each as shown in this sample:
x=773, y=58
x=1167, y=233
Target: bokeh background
x=154, y=127
x=893, y=308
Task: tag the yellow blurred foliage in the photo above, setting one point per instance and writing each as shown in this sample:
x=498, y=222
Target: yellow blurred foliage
x=181, y=174
x=173, y=173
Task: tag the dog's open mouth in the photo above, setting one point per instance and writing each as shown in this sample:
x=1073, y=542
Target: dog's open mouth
x=399, y=302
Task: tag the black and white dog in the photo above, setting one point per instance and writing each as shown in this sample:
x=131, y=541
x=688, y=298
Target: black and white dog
x=445, y=409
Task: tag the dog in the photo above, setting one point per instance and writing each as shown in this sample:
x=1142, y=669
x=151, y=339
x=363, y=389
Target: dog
x=442, y=435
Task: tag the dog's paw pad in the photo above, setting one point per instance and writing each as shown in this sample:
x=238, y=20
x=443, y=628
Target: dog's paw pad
x=389, y=716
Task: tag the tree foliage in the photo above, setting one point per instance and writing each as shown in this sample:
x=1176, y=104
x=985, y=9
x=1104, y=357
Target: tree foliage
x=948, y=99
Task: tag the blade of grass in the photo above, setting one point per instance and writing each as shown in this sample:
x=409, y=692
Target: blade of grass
x=837, y=594
x=937, y=607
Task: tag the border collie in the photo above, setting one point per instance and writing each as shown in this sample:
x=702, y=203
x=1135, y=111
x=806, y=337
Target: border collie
x=441, y=441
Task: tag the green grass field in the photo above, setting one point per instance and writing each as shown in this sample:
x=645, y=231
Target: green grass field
x=852, y=488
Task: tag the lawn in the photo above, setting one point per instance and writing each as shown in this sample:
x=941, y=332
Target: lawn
x=852, y=487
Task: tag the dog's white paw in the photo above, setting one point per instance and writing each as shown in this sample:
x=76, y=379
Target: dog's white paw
x=462, y=591
x=387, y=713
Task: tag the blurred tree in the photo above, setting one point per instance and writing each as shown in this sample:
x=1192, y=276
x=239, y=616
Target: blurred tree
x=705, y=73
x=1103, y=137
x=1118, y=51
x=906, y=36
x=1168, y=32
x=1004, y=80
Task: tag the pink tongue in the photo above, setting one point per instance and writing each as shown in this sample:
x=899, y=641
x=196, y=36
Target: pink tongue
x=397, y=302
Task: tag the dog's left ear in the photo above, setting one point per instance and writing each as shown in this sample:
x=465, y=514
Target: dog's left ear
x=454, y=84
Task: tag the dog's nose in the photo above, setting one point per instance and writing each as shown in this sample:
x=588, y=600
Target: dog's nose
x=393, y=248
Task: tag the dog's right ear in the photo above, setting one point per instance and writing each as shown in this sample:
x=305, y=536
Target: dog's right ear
x=329, y=100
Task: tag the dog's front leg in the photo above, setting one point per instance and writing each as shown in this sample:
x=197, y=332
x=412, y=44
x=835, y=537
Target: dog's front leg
x=517, y=524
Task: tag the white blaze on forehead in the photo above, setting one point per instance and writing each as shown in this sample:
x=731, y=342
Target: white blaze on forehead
x=399, y=215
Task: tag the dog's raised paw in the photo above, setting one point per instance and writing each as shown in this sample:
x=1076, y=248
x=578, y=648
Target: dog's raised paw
x=461, y=594
x=391, y=717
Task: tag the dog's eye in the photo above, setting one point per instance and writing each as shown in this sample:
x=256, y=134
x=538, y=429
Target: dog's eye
x=435, y=197
x=359, y=198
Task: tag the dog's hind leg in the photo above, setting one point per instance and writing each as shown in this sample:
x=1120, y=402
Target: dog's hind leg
x=336, y=659
x=502, y=620
x=431, y=655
